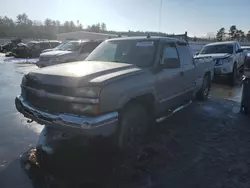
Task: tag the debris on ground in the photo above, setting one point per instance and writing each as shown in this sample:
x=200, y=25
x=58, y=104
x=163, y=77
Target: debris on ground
x=209, y=149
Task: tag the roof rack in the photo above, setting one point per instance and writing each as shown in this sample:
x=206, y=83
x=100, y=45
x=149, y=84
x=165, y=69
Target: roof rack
x=180, y=36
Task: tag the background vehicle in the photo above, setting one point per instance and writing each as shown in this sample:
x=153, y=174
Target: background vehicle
x=9, y=46
x=71, y=51
x=20, y=51
x=246, y=52
x=55, y=48
x=229, y=58
x=33, y=48
x=121, y=86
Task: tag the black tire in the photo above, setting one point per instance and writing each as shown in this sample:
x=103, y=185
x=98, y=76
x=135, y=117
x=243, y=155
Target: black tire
x=233, y=76
x=133, y=124
x=203, y=93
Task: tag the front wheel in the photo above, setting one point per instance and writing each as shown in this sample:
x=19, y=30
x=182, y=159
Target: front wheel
x=133, y=124
x=203, y=93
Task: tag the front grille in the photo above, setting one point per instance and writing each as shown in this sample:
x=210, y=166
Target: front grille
x=48, y=88
x=46, y=104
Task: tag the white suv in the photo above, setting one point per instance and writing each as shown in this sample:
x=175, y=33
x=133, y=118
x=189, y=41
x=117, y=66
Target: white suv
x=229, y=58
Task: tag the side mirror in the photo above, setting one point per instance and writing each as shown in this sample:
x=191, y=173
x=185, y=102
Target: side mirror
x=170, y=63
x=196, y=53
x=240, y=50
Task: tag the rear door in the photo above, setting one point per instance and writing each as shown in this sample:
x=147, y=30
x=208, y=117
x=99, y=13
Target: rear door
x=188, y=68
x=169, y=81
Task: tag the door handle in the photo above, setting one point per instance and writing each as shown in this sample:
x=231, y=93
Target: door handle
x=181, y=73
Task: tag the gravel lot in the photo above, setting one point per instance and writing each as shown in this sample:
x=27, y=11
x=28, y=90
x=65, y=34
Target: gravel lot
x=204, y=145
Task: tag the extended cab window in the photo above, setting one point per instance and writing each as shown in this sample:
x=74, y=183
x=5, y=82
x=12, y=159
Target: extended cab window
x=170, y=56
x=138, y=52
x=185, y=54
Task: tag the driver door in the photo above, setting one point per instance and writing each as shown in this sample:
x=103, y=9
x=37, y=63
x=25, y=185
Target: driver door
x=169, y=80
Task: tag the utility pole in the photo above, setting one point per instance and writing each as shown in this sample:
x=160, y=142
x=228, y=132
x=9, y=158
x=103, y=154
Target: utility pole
x=159, y=26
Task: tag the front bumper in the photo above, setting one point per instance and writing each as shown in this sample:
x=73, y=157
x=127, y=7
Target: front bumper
x=223, y=69
x=104, y=125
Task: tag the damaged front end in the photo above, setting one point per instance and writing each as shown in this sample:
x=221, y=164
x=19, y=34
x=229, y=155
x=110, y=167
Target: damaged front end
x=61, y=160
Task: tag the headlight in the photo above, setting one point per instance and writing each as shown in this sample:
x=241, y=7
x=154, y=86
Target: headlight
x=91, y=109
x=227, y=60
x=88, y=92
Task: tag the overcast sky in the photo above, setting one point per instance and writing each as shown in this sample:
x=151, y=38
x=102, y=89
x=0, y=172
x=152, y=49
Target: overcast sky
x=198, y=17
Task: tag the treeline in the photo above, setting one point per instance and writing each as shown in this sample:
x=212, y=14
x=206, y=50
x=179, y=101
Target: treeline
x=24, y=27
x=232, y=34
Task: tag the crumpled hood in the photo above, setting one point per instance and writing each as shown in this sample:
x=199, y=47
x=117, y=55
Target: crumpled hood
x=56, y=53
x=81, y=73
x=215, y=56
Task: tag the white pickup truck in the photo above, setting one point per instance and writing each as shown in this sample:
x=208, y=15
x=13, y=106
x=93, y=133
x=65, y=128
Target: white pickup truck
x=229, y=58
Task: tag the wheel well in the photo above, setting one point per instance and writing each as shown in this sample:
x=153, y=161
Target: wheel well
x=146, y=100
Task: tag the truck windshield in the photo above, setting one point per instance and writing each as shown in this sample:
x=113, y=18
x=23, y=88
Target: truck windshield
x=70, y=46
x=216, y=49
x=137, y=52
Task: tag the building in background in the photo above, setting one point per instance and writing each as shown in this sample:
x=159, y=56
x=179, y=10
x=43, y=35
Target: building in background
x=83, y=35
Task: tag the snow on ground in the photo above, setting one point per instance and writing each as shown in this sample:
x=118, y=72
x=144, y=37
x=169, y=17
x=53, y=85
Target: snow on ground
x=17, y=60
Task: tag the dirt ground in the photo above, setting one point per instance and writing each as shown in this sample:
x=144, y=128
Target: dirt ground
x=205, y=145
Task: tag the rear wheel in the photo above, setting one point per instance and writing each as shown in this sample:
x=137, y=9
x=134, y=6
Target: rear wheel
x=203, y=93
x=133, y=124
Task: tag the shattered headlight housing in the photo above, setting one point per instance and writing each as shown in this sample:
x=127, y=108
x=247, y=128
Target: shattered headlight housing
x=89, y=108
x=86, y=109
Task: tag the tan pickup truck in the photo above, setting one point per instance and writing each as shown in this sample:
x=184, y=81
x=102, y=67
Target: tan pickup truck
x=121, y=86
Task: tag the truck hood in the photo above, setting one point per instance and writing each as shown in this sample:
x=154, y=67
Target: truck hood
x=215, y=56
x=53, y=53
x=82, y=73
